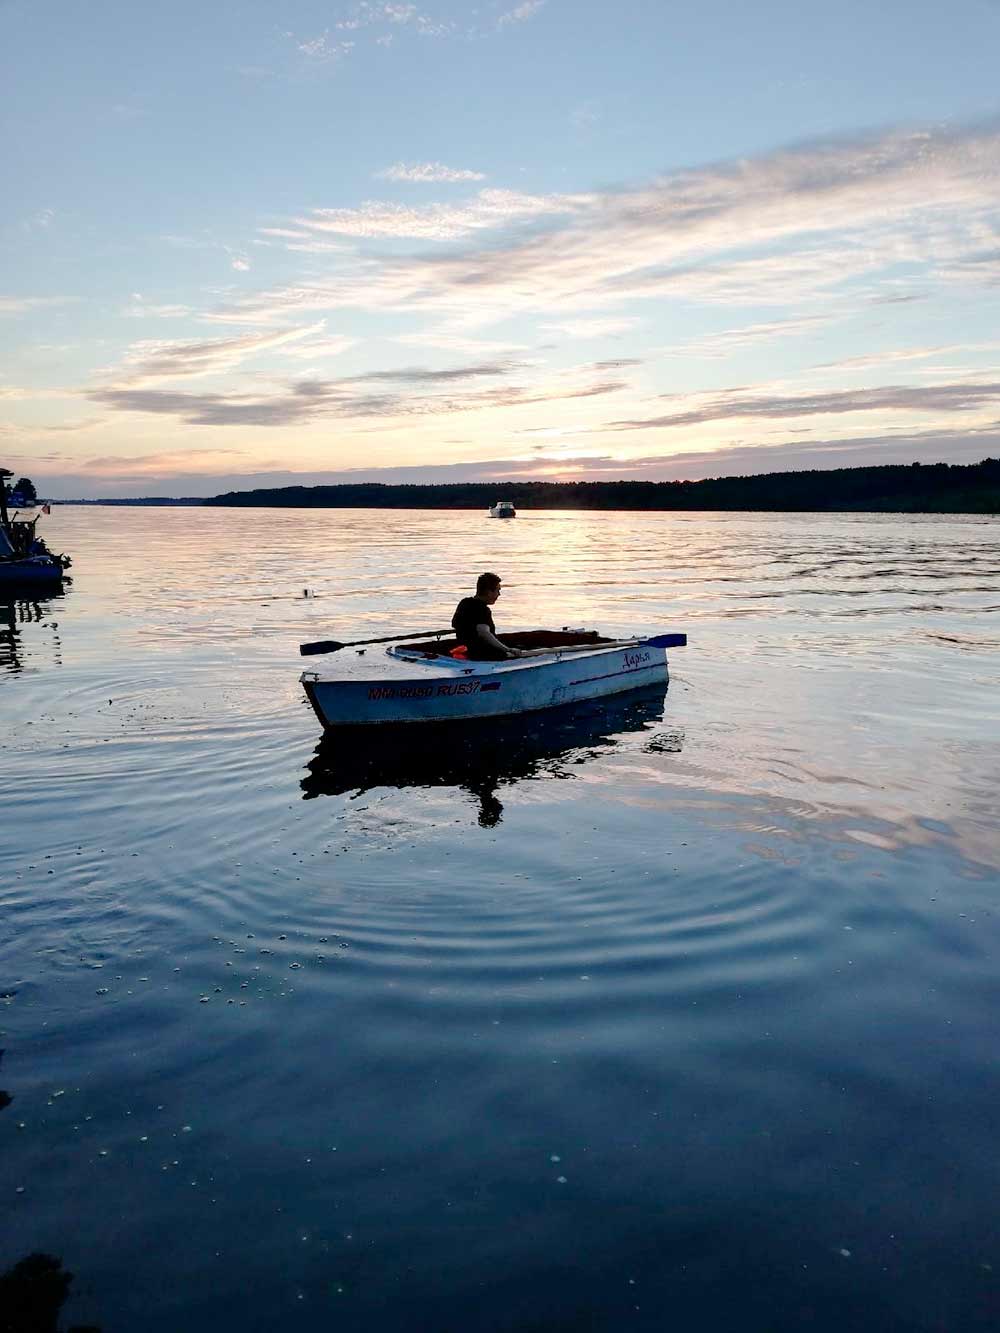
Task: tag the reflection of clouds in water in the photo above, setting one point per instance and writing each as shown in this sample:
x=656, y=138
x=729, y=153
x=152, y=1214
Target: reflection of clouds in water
x=482, y=757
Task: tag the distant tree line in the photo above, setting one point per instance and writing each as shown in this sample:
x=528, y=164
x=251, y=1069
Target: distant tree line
x=941, y=488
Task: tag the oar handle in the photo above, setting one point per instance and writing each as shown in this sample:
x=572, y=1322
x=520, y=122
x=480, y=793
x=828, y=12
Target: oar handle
x=334, y=645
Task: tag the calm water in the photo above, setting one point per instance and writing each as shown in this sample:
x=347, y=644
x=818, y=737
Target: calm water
x=674, y=1014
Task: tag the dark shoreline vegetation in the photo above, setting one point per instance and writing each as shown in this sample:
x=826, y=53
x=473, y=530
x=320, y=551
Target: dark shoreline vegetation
x=940, y=488
x=914, y=488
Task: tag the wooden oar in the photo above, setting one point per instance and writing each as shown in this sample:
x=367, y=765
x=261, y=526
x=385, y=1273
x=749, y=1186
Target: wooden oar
x=334, y=646
x=658, y=641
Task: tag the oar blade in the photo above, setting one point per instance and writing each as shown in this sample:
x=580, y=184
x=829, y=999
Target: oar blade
x=667, y=641
x=320, y=646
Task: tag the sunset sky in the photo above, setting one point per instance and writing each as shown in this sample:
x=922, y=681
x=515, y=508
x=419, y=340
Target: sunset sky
x=250, y=244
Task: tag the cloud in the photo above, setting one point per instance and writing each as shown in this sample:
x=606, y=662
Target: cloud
x=40, y=221
x=521, y=14
x=488, y=210
x=315, y=348
x=585, y=116
x=240, y=264
x=733, y=340
x=423, y=173
x=140, y=309
x=410, y=392
x=738, y=459
x=163, y=463
x=592, y=328
x=394, y=16
x=451, y=340
x=210, y=472
x=420, y=376
x=804, y=223
x=155, y=359
x=20, y=305
x=982, y=269
x=321, y=49
x=876, y=359
x=302, y=242
x=964, y=397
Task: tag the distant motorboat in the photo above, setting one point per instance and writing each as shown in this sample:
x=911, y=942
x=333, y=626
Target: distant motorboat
x=503, y=509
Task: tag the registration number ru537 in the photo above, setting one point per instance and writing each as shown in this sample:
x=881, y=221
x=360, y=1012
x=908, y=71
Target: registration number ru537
x=443, y=688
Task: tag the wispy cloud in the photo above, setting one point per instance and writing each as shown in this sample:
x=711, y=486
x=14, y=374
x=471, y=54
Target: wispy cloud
x=982, y=268
x=408, y=392
x=728, y=341
x=315, y=348
x=164, y=463
x=592, y=328
x=520, y=14
x=425, y=173
x=208, y=472
x=20, y=305
x=797, y=225
x=321, y=49
x=419, y=375
x=451, y=340
x=946, y=398
x=488, y=210
x=142, y=309
x=153, y=360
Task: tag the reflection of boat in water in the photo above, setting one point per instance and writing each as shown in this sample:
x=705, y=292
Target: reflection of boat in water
x=482, y=756
x=16, y=612
x=503, y=509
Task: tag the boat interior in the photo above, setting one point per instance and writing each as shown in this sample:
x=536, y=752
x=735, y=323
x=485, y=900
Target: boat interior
x=532, y=638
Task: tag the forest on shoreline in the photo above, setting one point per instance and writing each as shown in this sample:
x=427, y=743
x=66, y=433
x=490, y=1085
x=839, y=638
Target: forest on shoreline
x=935, y=488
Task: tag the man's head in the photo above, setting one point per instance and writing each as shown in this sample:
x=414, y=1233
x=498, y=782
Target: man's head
x=488, y=588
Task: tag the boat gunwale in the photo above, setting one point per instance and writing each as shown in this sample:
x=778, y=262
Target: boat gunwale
x=457, y=665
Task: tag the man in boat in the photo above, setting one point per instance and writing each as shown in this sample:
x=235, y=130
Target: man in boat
x=473, y=623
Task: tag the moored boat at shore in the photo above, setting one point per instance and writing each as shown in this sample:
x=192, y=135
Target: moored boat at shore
x=25, y=560
x=420, y=681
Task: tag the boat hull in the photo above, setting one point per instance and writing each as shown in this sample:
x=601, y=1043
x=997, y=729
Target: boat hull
x=34, y=572
x=438, y=693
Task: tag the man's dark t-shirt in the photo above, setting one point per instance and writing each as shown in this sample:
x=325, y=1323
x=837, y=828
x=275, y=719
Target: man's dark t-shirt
x=470, y=612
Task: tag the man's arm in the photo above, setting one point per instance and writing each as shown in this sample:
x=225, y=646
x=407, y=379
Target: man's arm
x=486, y=634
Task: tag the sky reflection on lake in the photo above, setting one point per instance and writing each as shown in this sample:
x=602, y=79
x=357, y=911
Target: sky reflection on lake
x=681, y=1003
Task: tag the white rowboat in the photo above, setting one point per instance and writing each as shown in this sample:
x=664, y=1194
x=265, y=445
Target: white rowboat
x=421, y=682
